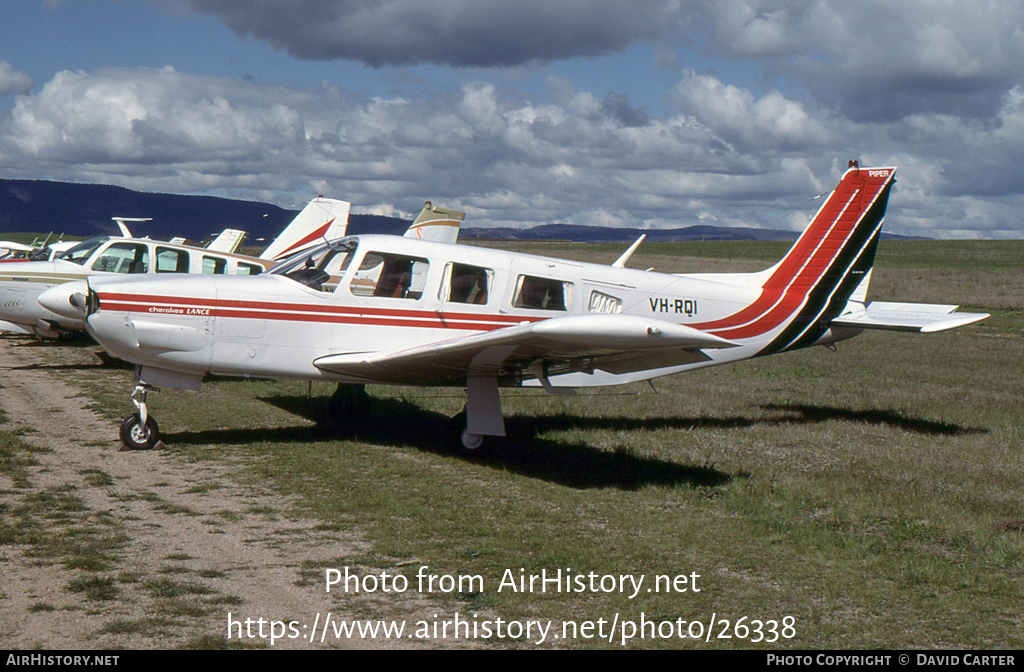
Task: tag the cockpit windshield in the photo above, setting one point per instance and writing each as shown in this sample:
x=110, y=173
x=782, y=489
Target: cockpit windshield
x=81, y=252
x=322, y=267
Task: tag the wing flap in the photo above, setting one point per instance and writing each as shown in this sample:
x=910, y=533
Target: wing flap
x=657, y=359
x=615, y=343
x=922, y=318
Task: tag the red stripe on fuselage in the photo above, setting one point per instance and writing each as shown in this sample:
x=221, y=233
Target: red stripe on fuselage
x=297, y=312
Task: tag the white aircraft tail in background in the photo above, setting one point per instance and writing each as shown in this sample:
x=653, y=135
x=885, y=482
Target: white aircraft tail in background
x=322, y=219
x=227, y=241
x=122, y=224
x=438, y=224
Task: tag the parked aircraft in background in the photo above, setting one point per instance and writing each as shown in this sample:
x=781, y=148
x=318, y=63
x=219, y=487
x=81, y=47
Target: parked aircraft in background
x=11, y=250
x=21, y=284
x=227, y=241
x=37, y=251
x=391, y=310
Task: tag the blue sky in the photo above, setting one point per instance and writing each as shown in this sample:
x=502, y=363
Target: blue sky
x=647, y=113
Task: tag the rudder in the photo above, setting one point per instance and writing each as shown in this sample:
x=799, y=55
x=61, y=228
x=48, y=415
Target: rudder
x=829, y=262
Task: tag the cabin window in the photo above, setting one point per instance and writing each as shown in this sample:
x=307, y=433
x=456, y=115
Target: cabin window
x=214, y=266
x=604, y=303
x=249, y=269
x=320, y=268
x=323, y=276
x=169, y=260
x=390, y=276
x=80, y=253
x=123, y=258
x=335, y=266
x=468, y=284
x=542, y=293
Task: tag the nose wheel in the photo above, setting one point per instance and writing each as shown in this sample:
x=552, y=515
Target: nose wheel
x=138, y=436
x=139, y=431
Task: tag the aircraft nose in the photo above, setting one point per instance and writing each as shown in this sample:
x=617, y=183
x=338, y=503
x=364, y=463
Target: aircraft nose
x=67, y=300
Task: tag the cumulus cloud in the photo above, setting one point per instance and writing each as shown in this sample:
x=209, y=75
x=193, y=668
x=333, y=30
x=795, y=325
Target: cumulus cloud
x=507, y=161
x=877, y=60
x=735, y=115
x=618, y=107
x=873, y=60
x=12, y=81
x=724, y=153
x=448, y=32
x=147, y=117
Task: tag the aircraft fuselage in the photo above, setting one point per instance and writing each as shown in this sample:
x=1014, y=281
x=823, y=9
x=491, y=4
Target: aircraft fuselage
x=273, y=326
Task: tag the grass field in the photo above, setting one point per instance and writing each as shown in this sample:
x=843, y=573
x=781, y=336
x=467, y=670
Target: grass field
x=875, y=495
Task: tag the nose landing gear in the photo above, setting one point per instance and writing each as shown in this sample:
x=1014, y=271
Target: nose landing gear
x=139, y=431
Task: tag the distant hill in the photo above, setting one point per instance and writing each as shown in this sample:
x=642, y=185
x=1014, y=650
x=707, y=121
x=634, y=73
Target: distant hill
x=86, y=210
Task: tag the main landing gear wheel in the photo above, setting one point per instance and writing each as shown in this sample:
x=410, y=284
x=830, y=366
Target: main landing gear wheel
x=136, y=436
x=350, y=400
x=471, y=441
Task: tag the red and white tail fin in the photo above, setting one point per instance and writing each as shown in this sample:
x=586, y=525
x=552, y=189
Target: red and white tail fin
x=322, y=219
x=829, y=263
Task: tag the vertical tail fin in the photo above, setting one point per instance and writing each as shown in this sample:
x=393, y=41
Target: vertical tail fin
x=321, y=219
x=845, y=224
x=227, y=241
x=827, y=265
x=437, y=224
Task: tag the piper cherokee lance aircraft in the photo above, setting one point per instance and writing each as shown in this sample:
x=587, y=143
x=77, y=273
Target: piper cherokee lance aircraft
x=391, y=310
x=22, y=283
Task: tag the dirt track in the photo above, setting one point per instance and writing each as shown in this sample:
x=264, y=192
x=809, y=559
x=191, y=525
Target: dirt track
x=187, y=542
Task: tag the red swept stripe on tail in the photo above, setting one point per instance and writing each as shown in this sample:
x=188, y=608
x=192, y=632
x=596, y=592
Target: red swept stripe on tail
x=830, y=248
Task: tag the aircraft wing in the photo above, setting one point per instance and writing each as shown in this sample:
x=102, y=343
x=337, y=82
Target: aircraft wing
x=15, y=247
x=612, y=343
x=923, y=318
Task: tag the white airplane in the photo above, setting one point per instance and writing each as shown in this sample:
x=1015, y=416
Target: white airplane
x=11, y=250
x=22, y=283
x=37, y=251
x=394, y=310
x=227, y=240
